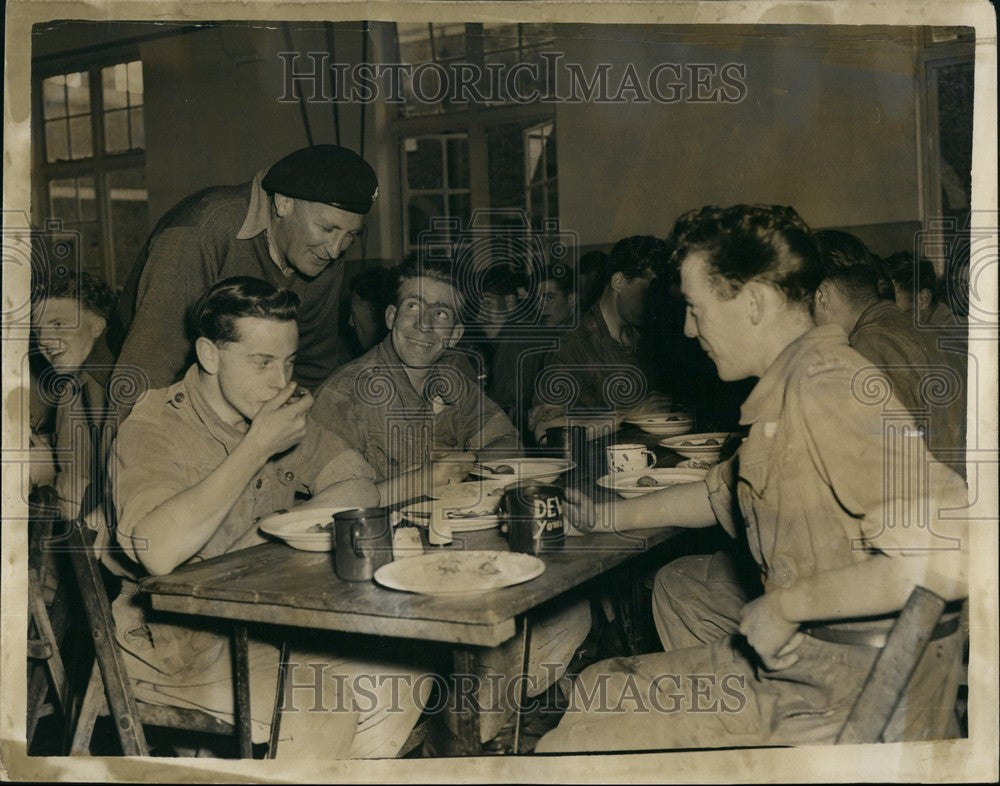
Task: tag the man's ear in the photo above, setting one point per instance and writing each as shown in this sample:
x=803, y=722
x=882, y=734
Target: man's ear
x=923, y=300
x=754, y=301
x=456, y=335
x=820, y=298
x=390, y=315
x=617, y=281
x=208, y=355
x=283, y=204
x=97, y=325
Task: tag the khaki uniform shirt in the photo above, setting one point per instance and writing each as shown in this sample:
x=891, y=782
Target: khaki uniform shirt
x=173, y=440
x=372, y=405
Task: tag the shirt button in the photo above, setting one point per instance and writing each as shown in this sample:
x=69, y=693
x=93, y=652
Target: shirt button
x=179, y=398
x=289, y=476
x=259, y=483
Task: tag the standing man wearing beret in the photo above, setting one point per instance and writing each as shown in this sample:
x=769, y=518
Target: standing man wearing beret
x=289, y=226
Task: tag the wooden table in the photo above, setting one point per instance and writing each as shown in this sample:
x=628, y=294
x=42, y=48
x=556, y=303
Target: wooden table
x=276, y=584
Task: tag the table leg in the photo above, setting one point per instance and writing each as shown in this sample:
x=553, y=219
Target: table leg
x=241, y=683
x=465, y=707
x=279, y=700
x=523, y=698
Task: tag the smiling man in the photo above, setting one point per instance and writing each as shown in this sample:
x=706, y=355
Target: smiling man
x=407, y=407
x=841, y=513
x=407, y=399
x=289, y=226
x=69, y=318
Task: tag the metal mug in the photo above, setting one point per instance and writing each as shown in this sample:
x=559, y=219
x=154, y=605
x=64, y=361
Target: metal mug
x=568, y=442
x=363, y=540
x=533, y=513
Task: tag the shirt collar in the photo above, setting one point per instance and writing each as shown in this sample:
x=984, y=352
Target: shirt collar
x=258, y=218
x=873, y=314
x=216, y=427
x=768, y=392
x=385, y=354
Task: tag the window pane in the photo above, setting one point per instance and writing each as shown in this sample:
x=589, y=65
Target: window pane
x=459, y=207
x=78, y=93
x=90, y=248
x=421, y=210
x=423, y=163
x=116, y=131
x=550, y=153
x=135, y=83
x=138, y=130
x=532, y=33
x=506, y=165
x=458, y=162
x=80, y=142
x=535, y=165
x=449, y=40
x=56, y=141
x=114, y=80
x=62, y=201
x=88, y=199
x=499, y=36
x=129, y=216
x=414, y=42
x=54, y=97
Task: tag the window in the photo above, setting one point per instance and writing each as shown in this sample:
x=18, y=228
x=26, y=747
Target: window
x=91, y=162
x=463, y=156
x=433, y=49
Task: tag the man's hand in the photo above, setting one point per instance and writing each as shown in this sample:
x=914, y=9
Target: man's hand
x=450, y=468
x=769, y=633
x=584, y=516
x=281, y=422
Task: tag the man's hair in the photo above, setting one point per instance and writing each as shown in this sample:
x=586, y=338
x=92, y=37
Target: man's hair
x=91, y=292
x=848, y=264
x=633, y=256
x=501, y=279
x=901, y=270
x=743, y=243
x=214, y=315
x=593, y=262
x=438, y=269
x=561, y=276
x=375, y=286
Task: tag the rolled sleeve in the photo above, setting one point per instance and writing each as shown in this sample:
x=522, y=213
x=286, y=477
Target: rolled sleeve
x=146, y=470
x=721, y=483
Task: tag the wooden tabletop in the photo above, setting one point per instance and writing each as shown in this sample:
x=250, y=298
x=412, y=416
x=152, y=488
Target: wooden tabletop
x=274, y=583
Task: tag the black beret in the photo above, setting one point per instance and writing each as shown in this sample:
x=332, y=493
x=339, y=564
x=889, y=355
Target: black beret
x=325, y=173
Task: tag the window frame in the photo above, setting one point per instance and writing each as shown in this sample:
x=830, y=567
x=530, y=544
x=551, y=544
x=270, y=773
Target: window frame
x=99, y=165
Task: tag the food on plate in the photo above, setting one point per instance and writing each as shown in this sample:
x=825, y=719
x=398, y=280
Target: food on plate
x=503, y=469
x=711, y=442
x=646, y=482
x=686, y=443
x=327, y=527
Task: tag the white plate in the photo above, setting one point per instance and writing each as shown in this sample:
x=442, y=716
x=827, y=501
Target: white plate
x=459, y=572
x=624, y=483
x=666, y=424
x=544, y=470
x=481, y=494
x=295, y=527
x=697, y=449
x=420, y=513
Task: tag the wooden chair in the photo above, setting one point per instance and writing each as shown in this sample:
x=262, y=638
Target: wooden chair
x=46, y=623
x=895, y=665
x=116, y=698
